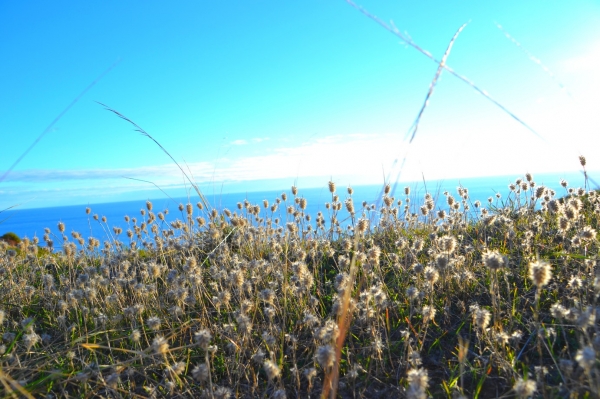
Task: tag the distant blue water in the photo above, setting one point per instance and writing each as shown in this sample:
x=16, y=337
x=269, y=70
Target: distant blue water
x=31, y=222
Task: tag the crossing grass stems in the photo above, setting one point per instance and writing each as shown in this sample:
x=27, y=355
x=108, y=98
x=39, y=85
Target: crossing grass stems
x=264, y=301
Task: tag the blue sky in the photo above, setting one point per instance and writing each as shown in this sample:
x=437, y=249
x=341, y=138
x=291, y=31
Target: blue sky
x=255, y=95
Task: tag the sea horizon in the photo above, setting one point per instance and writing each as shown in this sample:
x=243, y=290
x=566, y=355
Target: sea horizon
x=31, y=222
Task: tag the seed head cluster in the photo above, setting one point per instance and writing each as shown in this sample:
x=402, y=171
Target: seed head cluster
x=540, y=273
x=418, y=296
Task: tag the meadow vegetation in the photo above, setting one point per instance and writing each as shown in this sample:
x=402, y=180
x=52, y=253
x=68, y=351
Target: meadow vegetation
x=410, y=297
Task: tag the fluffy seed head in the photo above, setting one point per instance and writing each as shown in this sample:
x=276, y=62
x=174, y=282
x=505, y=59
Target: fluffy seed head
x=373, y=254
x=524, y=388
x=587, y=233
x=570, y=212
x=30, y=340
x=267, y=295
x=431, y=275
x=272, y=369
x=331, y=187
x=441, y=261
x=201, y=372
x=175, y=369
x=302, y=203
x=447, y=243
x=428, y=313
x=481, y=317
x=586, y=358
x=202, y=338
x=244, y=323
x=292, y=228
x=540, y=273
x=153, y=323
x=418, y=381
x=563, y=223
x=493, y=260
x=329, y=332
x=279, y=394
x=222, y=393
x=160, y=345
x=325, y=356
x=362, y=225
x=135, y=336
x=310, y=374
x=553, y=206
x=528, y=177
x=539, y=192
x=349, y=205
x=412, y=293
x=112, y=380
x=418, y=245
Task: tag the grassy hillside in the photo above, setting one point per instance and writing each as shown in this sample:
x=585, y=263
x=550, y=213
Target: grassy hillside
x=420, y=296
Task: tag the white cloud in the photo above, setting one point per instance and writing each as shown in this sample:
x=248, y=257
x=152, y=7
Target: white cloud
x=365, y=157
x=329, y=155
x=352, y=159
x=588, y=62
x=254, y=140
x=52, y=175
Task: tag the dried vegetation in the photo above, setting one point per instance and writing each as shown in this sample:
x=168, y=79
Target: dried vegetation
x=414, y=297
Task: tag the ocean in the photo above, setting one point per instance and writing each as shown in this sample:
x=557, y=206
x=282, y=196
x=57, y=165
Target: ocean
x=32, y=222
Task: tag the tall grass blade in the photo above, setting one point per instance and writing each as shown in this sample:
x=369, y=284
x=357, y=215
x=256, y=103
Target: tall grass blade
x=412, y=44
x=534, y=59
x=415, y=126
x=51, y=125
x=155, y=185
x=413, y=130
x=146, y=134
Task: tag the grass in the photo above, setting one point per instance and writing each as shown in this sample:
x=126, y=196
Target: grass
x=454, y=299
x=417, y=298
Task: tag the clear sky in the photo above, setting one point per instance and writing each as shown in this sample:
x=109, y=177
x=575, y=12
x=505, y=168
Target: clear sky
x=251, y=95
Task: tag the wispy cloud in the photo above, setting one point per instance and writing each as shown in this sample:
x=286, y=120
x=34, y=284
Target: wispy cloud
x=360, y=158
x=334, y=154
x=55, y=175
x=254, y=140
x=590, y=61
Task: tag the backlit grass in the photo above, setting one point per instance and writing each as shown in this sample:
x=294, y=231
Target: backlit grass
x=413, y=297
